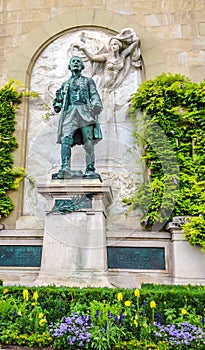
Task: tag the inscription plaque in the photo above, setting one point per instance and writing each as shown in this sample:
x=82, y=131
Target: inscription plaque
x=140, y=258
x=20, y=256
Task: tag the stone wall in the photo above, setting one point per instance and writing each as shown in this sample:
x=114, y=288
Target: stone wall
x=172, y=35
x=177, y=25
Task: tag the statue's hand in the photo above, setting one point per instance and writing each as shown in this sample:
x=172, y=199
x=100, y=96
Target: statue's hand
x=80, y=46
x=96, y=109
x=57, y=109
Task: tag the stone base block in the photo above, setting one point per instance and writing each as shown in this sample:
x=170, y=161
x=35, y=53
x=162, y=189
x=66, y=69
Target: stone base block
x=77, y=279
x=188, y=261
x=19, y=276
x=74, y=243
x=134, y=279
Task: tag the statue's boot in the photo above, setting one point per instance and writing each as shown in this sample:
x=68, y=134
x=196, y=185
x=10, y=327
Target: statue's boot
x=65, y=161
x=90, y=164
x=65, y=172
x=65, y=157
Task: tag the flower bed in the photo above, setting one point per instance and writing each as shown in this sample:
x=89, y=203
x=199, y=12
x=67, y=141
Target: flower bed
x=128, y=319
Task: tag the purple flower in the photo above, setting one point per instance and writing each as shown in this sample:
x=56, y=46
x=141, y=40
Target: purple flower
x=146, y=221
x=73, y=330
x=180, y=334
x=109, y=314
x=158, y=318
x=175, y=181
x=121, y=317
x=14, y=313
x=144, y=306
x=115, y=318
x=165, y=319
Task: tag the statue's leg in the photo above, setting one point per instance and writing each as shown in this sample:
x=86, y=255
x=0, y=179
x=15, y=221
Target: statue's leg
x=65, y=171
x=67, y=142
x=65, y=154
x=87, y=132
x=90, y=163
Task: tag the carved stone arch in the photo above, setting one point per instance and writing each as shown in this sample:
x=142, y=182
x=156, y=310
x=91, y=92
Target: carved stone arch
x=27, y=53
x=39, y=38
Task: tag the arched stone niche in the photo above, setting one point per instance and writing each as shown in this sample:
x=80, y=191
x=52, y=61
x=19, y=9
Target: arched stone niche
x=116, y=150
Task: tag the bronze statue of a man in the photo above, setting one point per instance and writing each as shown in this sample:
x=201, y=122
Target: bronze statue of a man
x=80, y=104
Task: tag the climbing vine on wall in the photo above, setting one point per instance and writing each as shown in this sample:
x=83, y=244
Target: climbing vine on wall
x=10, y=97
x=169, y=117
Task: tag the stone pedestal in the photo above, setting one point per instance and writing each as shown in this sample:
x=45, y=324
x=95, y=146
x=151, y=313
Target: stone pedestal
x=188, y=262
x=74, y=243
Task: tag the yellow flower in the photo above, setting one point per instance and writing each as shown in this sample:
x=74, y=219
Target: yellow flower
x=42, y=321
x=13, y=88
x=183, y=311
x=35, y=296
x=136, y=323
x=153, y=304
x=40, y=315
x=119, y=296
x=5, y=291
x=25, y=294
x=128, y=303
x=137, y=293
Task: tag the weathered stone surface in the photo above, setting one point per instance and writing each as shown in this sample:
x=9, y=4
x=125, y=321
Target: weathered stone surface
x=79, y=237
x=202, y=28
x=188, y=262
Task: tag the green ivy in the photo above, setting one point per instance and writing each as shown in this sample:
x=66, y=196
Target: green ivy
x=194, y=231
x=10, y=97
x=168, y=113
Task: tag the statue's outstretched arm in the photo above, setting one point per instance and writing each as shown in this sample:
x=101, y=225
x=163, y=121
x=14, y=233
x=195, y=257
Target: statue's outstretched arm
x=130, y=48
x=91, y=56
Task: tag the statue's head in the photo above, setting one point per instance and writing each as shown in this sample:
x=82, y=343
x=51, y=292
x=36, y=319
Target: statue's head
x=115, y=44
x=76, y=63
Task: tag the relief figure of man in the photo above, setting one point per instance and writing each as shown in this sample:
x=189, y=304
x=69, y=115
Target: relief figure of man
x=80, y=104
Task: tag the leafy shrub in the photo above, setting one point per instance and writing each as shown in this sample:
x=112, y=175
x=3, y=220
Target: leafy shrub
x=194, y=231
x=63, y=301
x=10, y=97
x=168, y=114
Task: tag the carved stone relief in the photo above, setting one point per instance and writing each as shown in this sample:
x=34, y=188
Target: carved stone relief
x=114, y=62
